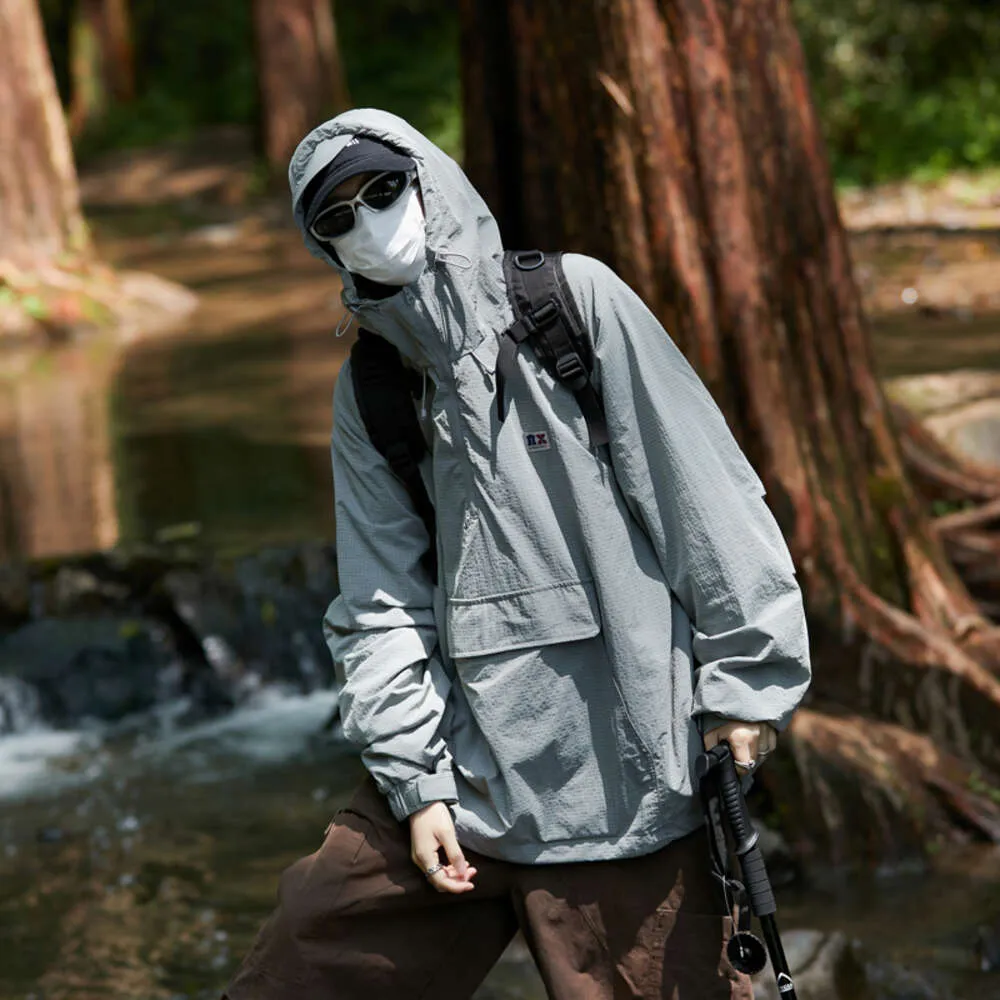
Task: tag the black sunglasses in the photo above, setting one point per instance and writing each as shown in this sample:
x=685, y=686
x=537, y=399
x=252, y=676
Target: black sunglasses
x=379, y=193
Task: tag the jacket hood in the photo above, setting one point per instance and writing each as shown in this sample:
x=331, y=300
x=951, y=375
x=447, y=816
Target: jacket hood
x=461, y=291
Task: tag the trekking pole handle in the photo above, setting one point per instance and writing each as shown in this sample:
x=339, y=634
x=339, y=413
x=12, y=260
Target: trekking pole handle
x=758, y=885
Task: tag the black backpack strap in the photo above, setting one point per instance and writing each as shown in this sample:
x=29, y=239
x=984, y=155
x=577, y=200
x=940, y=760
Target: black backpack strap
x=546, y=315
x=383, y=388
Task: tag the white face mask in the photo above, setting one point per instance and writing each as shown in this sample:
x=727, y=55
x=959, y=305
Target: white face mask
x=386, y=246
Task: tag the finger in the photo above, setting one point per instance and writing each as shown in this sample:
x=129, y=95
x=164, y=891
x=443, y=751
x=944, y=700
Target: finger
x=448, y=841
x=711, y=738
x=444, y=879
x=768, y=740
x=743, y=743
x=444, y=882
x=467, y=876
x=424, y=851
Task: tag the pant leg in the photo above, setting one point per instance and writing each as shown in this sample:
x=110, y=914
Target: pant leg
x=649, y=927
x=356, y=920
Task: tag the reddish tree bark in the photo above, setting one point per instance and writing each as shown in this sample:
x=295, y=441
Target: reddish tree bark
x=301, y=75
x=677, y=141
x=101, y=60
x=40, y=217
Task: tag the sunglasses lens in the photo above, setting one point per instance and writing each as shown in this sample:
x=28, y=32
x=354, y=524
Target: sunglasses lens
x=379, y=193
x=384, y=190
x=334, y=222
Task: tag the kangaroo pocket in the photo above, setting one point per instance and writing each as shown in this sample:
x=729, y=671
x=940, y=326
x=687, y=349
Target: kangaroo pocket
x=535, y=674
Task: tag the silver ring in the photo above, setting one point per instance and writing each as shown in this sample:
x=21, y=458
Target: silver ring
x=746, y=765
x=433, y=870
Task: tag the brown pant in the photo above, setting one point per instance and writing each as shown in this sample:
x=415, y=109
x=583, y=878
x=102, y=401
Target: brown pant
x=356, y=919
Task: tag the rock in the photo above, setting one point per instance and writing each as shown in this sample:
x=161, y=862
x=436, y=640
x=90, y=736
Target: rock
x=107, y=625
x=265, y=618
x=782, y=867
x=15, y=594
x=972, y=430
x=514, y=977
x=100, y=667
x=286, y=594
x=823, y=966
x=828, y=966
x=147, y=303
x=212, y=610
x=961, y=408
x=889, y=981
x=220, y=235
x=940, y=392
x=987, y=946
x=77, y=591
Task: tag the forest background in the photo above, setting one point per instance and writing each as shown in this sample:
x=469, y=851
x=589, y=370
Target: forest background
x=178, y=486
x=903, y=87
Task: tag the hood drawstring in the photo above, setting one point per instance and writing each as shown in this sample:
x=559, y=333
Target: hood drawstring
x=455, y=257
x=343, y=327
x=423, y=399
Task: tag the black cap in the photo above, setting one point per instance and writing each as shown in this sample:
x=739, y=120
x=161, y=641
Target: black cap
x=359, y=156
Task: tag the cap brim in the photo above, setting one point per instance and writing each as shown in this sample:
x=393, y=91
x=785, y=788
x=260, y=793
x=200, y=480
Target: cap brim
x=364, y=156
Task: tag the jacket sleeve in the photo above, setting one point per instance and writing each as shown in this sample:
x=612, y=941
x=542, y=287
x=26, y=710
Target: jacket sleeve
x=381, y=629
x=700, y=501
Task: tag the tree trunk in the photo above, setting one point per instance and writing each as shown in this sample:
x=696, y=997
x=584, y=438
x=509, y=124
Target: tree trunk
x=57, y=491
x=300, y=72
x=40, y=218
x=101, y=63
x=676, y=140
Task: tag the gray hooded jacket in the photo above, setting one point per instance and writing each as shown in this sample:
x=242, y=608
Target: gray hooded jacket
x=594, y=609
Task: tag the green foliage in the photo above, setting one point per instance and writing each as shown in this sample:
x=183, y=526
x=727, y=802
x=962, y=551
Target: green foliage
x=979, y=786
x=403, y=56
x=198, y=71
x=939, y=508
x=34, y=307
x=904, y=87
x=886, y=491
x=195, y=66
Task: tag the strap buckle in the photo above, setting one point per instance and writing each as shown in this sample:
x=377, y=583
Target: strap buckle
x=569, y=368
x=541, y=317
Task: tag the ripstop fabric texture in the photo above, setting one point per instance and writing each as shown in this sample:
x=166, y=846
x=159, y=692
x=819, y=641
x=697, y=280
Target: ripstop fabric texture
x=596, y=608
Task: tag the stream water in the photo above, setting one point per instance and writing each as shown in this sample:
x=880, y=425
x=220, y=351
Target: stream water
x=138, y=862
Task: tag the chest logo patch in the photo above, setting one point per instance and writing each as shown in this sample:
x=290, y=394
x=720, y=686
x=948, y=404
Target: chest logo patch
x=538, y=441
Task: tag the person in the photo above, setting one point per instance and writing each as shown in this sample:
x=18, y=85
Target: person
x=530, y=717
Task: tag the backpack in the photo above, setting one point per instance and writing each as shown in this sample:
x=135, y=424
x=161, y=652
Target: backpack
x=545, y=317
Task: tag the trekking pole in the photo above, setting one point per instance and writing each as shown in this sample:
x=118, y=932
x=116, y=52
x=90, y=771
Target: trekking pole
x=719, y=781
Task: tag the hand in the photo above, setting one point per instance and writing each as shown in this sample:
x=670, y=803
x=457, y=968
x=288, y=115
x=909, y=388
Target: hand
x=751, y=742
x=431, y=830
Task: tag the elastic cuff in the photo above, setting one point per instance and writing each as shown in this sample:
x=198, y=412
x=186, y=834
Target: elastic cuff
x=407, y=798
x=707, y=721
